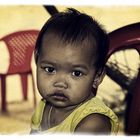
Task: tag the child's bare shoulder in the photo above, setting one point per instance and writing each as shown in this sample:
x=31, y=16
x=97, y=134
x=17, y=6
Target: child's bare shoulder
x=95, y=123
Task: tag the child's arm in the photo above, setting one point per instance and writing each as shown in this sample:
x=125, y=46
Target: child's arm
x=95, y=123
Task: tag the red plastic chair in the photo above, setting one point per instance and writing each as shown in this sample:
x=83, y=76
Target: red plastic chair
x=20, y=46
x=125, y=38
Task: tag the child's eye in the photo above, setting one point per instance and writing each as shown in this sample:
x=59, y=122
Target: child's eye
x=50, y=70
x=77, y=73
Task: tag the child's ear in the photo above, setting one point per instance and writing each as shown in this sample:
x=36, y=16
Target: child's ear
x=98, y=78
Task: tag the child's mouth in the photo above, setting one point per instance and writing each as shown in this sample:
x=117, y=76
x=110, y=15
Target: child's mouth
x=59, y=96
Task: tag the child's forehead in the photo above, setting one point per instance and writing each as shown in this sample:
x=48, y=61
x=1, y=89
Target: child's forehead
x=54, y=46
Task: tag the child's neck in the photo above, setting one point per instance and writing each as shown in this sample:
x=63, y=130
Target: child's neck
x=57, y=115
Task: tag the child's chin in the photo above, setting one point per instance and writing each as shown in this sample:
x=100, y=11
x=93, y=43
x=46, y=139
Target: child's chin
x=58, y=104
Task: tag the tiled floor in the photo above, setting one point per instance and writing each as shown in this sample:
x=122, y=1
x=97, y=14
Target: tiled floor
x=17, y=120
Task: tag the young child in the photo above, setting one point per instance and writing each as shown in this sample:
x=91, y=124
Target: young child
x=70, y=56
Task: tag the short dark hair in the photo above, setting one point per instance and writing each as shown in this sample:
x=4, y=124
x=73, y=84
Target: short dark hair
x=73, y=26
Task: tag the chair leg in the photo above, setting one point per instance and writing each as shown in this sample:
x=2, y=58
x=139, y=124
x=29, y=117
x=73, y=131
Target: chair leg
x=34, y=95
x=24, y=85
x=3, y=94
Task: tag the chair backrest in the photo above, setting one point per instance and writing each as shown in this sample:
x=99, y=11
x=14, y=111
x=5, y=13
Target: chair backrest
x=125, y=38
x=20, y=45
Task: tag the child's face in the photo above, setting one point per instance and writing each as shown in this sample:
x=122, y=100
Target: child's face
x=65, y=73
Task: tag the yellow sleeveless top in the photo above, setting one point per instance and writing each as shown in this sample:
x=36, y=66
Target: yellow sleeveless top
x=93, y=105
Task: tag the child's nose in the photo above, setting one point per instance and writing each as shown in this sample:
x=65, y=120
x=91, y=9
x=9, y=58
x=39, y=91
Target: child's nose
x=61, y=82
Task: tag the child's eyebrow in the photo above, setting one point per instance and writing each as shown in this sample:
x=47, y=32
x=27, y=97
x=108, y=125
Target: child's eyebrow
x=47, y=62
x=80, y=66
